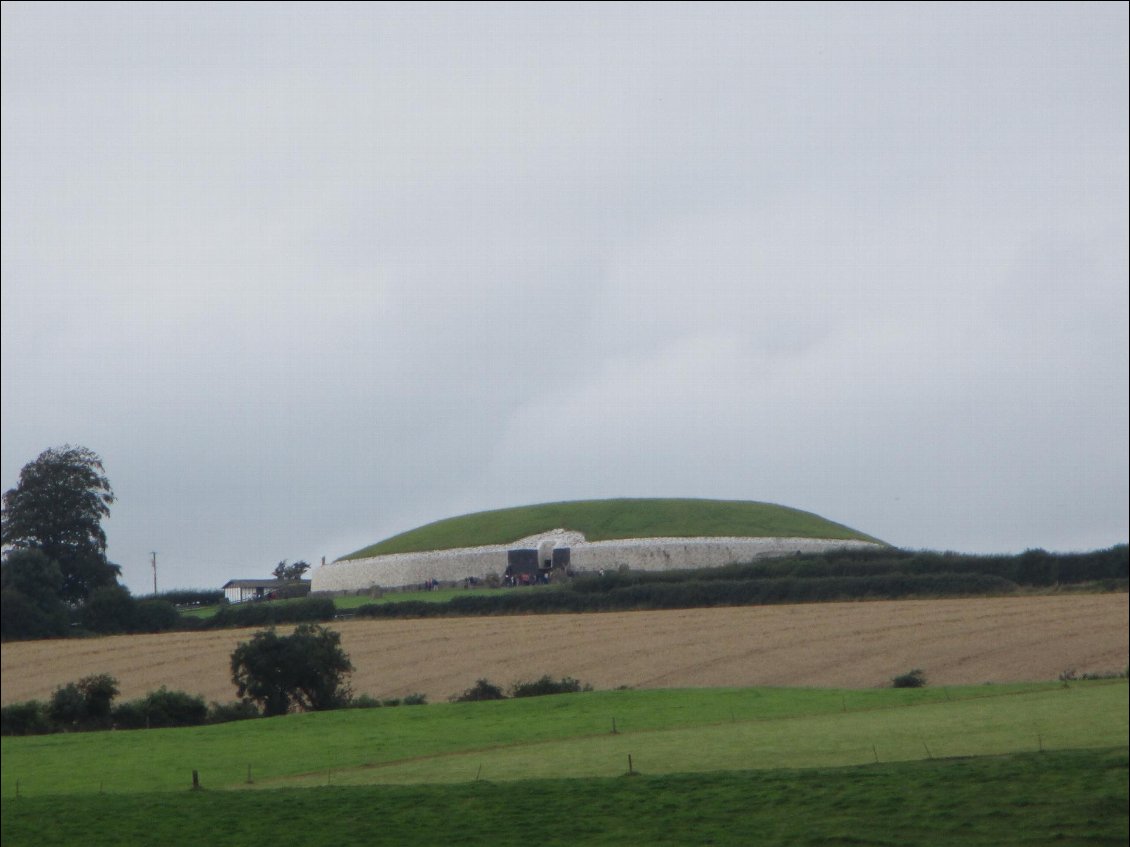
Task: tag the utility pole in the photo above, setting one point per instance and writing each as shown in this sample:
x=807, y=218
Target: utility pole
x=154, y=555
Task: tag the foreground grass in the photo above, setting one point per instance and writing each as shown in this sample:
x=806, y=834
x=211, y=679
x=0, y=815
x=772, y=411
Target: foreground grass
x=601, y=520
x=571, y=736
x=1066, y=797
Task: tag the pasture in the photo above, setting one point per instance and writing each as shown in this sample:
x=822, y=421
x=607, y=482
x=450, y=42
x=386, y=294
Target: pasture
x=1030, y=799
x=571, y=736
x=731, y=766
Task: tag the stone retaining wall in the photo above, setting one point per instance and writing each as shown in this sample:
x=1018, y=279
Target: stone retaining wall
x=644, y=554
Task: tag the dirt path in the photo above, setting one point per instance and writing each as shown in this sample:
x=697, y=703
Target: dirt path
x=852, y=645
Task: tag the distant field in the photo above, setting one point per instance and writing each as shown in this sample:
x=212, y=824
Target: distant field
x=846, y=645
x=602, y=520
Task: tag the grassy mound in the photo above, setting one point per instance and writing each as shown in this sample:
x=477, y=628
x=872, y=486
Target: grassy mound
x=603, y=520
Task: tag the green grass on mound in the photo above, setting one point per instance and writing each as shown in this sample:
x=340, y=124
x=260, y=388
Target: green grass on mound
x=603, y=520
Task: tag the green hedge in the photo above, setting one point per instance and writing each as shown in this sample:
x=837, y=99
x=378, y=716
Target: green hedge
x=315, y=609
x=701, y=592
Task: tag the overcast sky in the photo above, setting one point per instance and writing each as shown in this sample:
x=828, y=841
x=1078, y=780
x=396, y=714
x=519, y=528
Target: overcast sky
x=306, y=276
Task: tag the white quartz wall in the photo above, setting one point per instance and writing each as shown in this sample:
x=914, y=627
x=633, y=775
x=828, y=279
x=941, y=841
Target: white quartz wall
x=644, y=554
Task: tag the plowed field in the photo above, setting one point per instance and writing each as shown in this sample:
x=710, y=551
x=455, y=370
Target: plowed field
x=850, y=645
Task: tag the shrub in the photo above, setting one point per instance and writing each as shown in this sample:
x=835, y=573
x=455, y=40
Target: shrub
x=483, y=689
x=28, y=718
x=271, y=613
x=415, y=699
x=236, y=710
x=155, y=616
x=109, y=610
x=85, y=704
x=363, y=701
x=913, y=679
x=548, y=685
x=161, y=708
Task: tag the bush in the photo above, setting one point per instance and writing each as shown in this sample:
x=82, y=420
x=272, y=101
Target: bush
x=483, y=689
x=363, y=701
x=548, y=685
x=155, y=616
x=236, y=710
x=416, y=699
x=28, y=718
x=109, y=610
x=85, y=704
x=313, y=609
x=161, y=708
x=130, y=715
x=914, y=679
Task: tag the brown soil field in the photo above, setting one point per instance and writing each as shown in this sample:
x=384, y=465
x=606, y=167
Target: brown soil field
x=849, y=645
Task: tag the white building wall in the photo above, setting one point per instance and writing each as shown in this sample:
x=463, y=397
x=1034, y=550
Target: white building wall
x=644, y=554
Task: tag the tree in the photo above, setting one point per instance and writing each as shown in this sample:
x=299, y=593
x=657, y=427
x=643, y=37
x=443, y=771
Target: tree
x=290, y=572
x=305, y=670
x=57, y=507
x=30, y=587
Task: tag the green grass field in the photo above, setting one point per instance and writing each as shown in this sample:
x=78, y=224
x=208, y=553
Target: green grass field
x=1052, y=798
x=983, y=765
x=570, y=736
x=602, y=520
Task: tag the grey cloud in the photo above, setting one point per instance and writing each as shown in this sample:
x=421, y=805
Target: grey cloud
x=310, y=276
